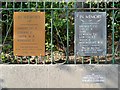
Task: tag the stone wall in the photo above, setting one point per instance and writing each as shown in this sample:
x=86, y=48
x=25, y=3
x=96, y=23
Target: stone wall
x=59, y=76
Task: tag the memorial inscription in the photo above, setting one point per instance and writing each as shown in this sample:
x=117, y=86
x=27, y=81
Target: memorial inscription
x=93, y=78
x=29, y=33
x=90, y=33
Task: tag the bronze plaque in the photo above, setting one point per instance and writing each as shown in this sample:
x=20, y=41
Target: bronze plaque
x=29, y=33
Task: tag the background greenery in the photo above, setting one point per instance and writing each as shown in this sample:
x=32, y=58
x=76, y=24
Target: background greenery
x=60, y=22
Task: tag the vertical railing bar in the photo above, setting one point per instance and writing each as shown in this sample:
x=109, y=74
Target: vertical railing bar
x=106, y=22
x=91, y=57
x=21, y=6
x=21, y=61
x=44, y=11
x=82, y=56
x=40, y=55
x=14, y=59
x=82, y=4
x=90, y=5
x=13, y=5
x=7, y=30
x=6, y=4
x=36, y=11
x=27, y=56
x=51, y=33
x=98, y=57
x=13, y=38
x=98, y=60
x=28, y=4
x=28, y=59
x=40, y=59
x=67, y=34
x=75, y=61
x=44, y=6
x=36, y=59
x=59, y=3
x=36, y=6
x=113, y=31
x=83, y=60
x=98, y=6
x=7, y=16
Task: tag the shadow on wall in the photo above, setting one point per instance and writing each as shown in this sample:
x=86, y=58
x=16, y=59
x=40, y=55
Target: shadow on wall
x=1, y=82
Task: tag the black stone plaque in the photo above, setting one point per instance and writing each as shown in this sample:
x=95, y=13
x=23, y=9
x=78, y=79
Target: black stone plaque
x=90, y=33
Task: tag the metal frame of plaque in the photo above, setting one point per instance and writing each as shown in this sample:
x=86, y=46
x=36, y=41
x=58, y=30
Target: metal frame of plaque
x=90, y=34
x=29, y=33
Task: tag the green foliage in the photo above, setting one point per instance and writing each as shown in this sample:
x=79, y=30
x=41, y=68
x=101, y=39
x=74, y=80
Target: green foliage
x=59, y=25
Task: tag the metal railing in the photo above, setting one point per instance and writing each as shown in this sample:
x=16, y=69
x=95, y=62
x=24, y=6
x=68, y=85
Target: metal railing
x=60, y=30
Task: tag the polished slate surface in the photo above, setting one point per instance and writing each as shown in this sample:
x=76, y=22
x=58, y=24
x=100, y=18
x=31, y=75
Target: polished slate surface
x=90, y=33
